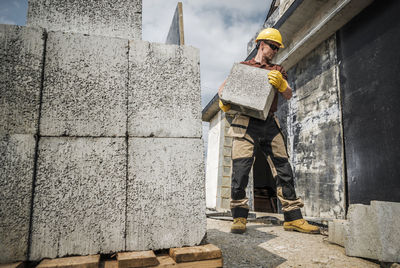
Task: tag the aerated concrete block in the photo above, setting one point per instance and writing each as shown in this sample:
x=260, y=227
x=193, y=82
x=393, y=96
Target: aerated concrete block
x=166, y=193
x=164, y=91
x=85, y=86
x=21, y=64
x=374, y=231
x=80, y=197
x=115, y=18
x=248, y=91
x=16, y=174
x=338, y=231
x=362, y=240
x=388, y=221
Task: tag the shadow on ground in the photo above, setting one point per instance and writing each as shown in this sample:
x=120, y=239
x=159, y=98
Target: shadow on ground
x=242, y=250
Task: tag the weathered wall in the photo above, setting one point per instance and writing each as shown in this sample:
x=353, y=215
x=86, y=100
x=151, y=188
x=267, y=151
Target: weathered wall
x=21, y=63
x=214, y=165
x=315, y=132
x=116, y=18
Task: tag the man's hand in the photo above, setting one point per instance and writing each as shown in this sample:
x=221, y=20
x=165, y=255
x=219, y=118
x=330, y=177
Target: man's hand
x=224, y=107
x=276, y=79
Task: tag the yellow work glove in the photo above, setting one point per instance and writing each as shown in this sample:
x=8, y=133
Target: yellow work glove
x=276, y=79
x=224, y=107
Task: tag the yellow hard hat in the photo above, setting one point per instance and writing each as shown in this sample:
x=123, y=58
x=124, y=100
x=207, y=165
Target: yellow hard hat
x=270, y=34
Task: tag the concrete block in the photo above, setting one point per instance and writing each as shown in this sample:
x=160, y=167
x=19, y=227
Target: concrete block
x=374, y=231
x=387, y=215
x=80, y=197
x=85, y=86
x=21, y=64
x=338, y=231
x=16, y=174
x=166, y=193
x=116, y=18
x=362, y=240
x=248, y=91
x=164, y=91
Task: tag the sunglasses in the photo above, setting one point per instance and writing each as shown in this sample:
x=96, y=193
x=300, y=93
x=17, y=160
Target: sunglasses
x=272, y=46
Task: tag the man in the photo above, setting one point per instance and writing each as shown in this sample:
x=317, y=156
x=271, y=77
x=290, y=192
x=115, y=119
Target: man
x=251, y=134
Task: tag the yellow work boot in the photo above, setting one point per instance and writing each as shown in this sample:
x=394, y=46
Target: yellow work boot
x=238, y=226
x=300, y=225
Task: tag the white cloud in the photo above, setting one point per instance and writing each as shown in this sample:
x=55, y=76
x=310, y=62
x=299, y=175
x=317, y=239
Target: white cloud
x=220, y=29
x=4, y=20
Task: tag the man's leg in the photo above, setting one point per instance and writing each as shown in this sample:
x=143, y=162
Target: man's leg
x=282, y=172
x=242, y=161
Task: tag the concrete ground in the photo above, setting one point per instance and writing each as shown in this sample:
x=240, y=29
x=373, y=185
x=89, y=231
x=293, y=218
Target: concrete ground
x=267, y=245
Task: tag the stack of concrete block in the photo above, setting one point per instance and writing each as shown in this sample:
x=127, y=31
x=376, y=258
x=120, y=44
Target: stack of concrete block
x=370, y=232
x=21, y=64
x=118, y=160
x=248, y=92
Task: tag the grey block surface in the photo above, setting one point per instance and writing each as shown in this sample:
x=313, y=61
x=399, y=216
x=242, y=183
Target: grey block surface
x=16, y=175
x=85, y=86
x=362, y=240
x=164, y=91
x=338, y=231
x=166, y=188
x=80, y=197
x=374, y=231
x=388, y=217
x=248, y=91
x=115, y=18
x=21, y=61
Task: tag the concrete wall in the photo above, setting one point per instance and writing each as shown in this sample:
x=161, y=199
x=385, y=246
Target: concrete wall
x=98, y=163
x=116, y=18
x=314, y=131
x=213, y=169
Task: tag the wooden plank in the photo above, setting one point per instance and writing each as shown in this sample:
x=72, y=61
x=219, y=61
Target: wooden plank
x=199, y=253
x=13, y=265
x=91, y=261
x=136, y=259
x=166, y=262
x=110, y=264
x=202, y=264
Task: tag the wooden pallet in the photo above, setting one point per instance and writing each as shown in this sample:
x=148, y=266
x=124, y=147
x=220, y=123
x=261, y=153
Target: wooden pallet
x=206, y=256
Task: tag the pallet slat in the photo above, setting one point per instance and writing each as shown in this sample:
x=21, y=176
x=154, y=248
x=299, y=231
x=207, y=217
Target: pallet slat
x=91, y=261
x=166, y=262
x=13, y=265
x=199, y=253
x=136, y=259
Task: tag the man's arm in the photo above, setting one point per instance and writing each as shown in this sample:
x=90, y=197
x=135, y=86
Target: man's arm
x=287, y=94
x=221, y=88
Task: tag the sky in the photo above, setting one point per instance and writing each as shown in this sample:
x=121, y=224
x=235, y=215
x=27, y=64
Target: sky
x=221, y=30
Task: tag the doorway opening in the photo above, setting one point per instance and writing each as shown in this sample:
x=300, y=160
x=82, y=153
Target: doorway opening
x=265, y=198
